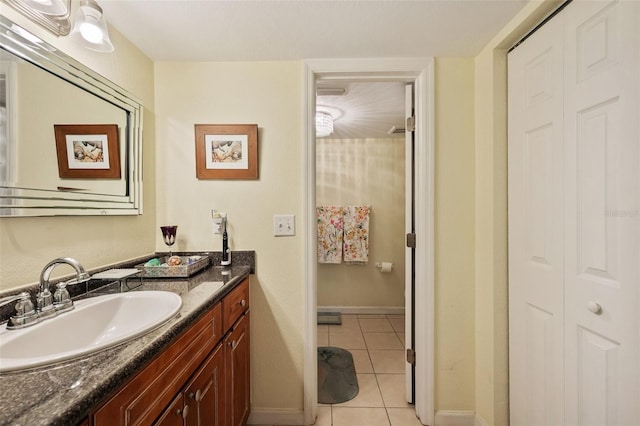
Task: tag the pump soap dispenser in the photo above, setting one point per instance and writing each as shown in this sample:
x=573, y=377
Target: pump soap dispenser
x=226, y=253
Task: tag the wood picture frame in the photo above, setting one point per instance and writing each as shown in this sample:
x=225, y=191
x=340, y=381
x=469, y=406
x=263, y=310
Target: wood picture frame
x=88, y=151
x=226, y=151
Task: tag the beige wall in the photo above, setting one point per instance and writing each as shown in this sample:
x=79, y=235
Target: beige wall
x=28, y=244
x=365, y=172
x=491, y=298
x=268, y=94
x=454, y=233
x=37, y=166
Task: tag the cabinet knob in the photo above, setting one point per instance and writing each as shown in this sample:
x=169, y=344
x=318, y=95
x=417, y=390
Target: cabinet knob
x=243, y=303
x=594, y=307
x=232, y=344
x=184, y=412
x=197, y=396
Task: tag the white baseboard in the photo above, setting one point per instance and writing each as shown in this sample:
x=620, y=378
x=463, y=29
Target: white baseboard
x=455, y=418
x=380, y=310
x=269, y=417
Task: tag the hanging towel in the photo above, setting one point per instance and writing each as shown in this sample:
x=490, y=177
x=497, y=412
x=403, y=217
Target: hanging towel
x=356, y=234
x=330, y=221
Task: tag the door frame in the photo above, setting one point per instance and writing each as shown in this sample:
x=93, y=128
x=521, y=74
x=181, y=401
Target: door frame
x=421, y=72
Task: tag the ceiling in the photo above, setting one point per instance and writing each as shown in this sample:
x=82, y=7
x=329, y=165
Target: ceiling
x=254, y=30
x=366, y=110
x=257, y=30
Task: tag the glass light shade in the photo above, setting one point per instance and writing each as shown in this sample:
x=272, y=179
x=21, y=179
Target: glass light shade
x=90, y=28
x=47, y=7
x=324, y=124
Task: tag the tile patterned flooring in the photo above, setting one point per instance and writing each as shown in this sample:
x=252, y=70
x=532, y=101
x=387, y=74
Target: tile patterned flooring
x=377, y=345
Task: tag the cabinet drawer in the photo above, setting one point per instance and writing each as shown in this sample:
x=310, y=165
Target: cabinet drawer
x=235, y=304
x=143, y=399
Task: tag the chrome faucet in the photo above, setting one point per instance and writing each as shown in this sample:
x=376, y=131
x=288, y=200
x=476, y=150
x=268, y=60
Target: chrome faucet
x=49, y=305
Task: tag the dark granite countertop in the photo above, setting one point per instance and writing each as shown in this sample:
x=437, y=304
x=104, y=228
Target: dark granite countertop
x=67, y=392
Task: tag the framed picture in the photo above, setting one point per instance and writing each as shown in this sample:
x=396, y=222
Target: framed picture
x=88, y=151
x=227, y=151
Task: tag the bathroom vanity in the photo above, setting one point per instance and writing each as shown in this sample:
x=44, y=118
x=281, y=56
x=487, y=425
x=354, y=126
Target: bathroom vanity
x=192, y=370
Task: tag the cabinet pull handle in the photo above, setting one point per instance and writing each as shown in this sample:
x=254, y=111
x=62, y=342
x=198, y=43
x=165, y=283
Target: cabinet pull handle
x=197, y=396
x=242, y=303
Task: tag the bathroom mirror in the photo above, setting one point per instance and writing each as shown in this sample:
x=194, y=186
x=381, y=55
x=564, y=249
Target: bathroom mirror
x=42, y=88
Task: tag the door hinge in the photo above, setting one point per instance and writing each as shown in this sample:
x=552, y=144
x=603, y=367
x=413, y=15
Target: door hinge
x=411, y=240
x=411, y=356
x=411, y=124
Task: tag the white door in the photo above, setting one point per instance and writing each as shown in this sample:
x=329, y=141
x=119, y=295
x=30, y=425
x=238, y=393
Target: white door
x=535, y=229
x=574, y=219
x=409, y=258
x=602, y=213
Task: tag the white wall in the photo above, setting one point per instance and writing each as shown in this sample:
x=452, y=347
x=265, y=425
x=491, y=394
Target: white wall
x=365, y=172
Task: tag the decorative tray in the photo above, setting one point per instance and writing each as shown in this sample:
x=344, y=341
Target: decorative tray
x=189, y=266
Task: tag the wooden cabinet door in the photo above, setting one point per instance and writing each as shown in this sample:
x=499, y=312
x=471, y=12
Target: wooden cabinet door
x=237, y=368
x=174, y=414
x=204, y=395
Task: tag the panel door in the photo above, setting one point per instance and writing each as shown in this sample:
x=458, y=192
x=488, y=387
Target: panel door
x=238, y=373
x=174, y=414
x=535, y=229
x=205, y=393
x=602, y=213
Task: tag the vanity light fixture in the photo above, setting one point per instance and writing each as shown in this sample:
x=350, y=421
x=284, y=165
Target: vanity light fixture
x=47, y=7
x=52, y=15
x=90, y=27
x=324, y=124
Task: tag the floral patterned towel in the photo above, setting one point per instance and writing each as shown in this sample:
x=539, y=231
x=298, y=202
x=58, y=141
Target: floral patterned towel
x=330, y=234
x=356, y=234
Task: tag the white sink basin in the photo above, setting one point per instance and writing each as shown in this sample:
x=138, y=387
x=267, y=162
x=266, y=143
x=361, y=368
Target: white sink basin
x=95, y=324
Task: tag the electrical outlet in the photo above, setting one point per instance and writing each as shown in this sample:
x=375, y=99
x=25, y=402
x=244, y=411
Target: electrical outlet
x=284, y=225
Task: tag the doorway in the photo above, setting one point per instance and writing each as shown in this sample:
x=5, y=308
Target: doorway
x=363, y=180
x=419, y=72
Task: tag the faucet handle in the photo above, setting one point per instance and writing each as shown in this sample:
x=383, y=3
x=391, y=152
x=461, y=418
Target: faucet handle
x=61, y=299
x=44, y=302
x=25, y=313
x=24, y=306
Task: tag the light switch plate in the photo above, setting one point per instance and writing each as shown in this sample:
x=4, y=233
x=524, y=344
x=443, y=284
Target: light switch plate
x=284, y=225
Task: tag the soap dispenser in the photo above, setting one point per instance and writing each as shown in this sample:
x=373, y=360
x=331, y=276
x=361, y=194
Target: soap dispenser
x=226, y=253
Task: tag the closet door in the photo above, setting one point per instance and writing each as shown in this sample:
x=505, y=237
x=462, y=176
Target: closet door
x=602, y=213
x=535, y=229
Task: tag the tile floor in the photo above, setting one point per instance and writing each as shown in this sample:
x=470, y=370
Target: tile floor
x=377, y=345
